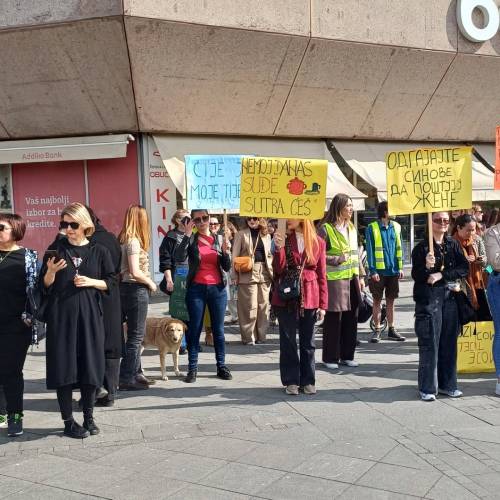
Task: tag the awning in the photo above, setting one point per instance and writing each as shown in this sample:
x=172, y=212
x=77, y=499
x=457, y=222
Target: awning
x=337, y=183
x=367, y=159
x=64, y=148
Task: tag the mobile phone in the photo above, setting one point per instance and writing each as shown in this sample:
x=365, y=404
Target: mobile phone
x=185, y=220
x=51, y=253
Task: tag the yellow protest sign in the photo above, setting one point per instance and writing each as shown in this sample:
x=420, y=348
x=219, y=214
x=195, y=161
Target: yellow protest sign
x=429, y=180
x=283, y=188
x=474, y=353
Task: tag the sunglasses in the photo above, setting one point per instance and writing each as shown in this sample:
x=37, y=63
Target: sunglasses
x=214, y=224
x=73, y=225
x=3, y=227
x=200, y=220
x=441, y=221
x=253, y=219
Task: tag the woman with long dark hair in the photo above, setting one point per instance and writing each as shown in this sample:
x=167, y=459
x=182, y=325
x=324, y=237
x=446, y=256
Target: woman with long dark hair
x=209, y=257
x=73, y=277
x=17, y=275
x=254, y=284
x=304, y=251
x=437, y=274
x=344, y=277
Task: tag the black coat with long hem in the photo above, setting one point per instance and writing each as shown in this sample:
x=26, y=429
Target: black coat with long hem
x=75, y=326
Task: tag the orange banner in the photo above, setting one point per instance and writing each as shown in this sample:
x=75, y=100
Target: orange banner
x=497, y=161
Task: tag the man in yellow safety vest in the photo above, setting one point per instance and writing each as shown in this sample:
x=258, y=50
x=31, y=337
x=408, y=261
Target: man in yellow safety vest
x=385, y=262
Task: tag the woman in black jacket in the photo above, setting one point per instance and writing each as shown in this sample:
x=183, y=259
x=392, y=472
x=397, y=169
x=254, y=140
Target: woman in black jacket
x=437, y=281
x=209, y=258
x=73, y=281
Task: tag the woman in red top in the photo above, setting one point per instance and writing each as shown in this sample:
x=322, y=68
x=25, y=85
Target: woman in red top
x=307, y=252
x=209, y=259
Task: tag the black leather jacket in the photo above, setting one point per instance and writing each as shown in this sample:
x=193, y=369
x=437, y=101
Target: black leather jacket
x=188, y=249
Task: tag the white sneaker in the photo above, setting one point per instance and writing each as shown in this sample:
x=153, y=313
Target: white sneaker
x=292, y=390
x=452, y=394
x=332, y=366
x=497, y=389
x=427, y=397
x=3, y=421
x=349, y=362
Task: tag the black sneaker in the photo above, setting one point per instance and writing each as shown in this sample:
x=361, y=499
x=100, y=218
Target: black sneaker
x=89, y=423
x=15, y=424
x=224, y=373
x=392, y=334
x=74, y=430
x=105, y=402
x=375, y=336
x=191, y=377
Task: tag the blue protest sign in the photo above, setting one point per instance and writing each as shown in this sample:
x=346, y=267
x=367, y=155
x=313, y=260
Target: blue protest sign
x=213, y=181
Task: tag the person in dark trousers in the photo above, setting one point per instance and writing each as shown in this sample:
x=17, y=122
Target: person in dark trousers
x=168, y=265
x=345, y=282
x=15, y=333
x=113, y=331
x=384, y=251
x=437, y=276
x=302, y=250
x=73, y=281
x=209, y=259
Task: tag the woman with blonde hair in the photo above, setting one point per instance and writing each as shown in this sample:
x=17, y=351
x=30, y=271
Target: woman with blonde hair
x=253, y=245
x=75, y=274
x=135, y=287
x=299, y=258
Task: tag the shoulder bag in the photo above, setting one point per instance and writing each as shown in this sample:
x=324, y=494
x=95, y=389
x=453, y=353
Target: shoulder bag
x=289, y=286
x=244, y=264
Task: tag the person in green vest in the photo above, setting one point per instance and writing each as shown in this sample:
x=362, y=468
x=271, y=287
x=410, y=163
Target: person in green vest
x=345, y=282
x=385, y=263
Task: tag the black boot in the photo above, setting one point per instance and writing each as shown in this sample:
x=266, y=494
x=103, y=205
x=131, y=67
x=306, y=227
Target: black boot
x=88, y=421
x=74, y=430
x=191, y=377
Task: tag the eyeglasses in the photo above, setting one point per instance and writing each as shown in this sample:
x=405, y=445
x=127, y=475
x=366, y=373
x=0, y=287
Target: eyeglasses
x=203, y=219
x=73, y=225
x=479, y=211
x=441, y=221
x=3, y=227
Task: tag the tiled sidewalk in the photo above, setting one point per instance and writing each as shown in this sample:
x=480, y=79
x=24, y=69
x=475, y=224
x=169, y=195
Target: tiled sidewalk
x=364, y=435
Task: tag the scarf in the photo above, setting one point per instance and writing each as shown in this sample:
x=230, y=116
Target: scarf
x=475, y=278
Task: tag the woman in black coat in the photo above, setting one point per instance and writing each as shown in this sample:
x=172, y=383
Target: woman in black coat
x=73, y=281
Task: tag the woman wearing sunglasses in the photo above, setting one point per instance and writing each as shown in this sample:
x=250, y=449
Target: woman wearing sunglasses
x=209, y=260
x=254, y=280
x=304, y=252
x=17, y=274
x=135, y=287
x=437, y=327
x=75, y=273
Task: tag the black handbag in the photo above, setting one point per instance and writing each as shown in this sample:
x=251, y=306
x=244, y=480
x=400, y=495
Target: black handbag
x=289, y=287
x=466, y=313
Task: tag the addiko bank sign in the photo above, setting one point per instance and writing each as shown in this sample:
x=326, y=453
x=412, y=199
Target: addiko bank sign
x=491, y=16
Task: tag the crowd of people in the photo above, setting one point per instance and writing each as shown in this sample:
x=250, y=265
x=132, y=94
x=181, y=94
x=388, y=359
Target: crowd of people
x=91, y=290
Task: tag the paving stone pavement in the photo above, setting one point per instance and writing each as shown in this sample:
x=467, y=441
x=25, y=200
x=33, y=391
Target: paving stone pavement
x=364, y=435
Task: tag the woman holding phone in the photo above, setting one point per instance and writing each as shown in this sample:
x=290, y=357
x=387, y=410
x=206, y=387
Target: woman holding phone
x=75, y=273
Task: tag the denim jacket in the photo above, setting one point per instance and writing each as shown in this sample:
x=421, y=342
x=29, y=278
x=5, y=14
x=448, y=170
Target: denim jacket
x=188, y=249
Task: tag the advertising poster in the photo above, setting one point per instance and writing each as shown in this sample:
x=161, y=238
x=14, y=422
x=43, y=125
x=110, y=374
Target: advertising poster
x=163, y=199
x=429, y=180
x=283, y=188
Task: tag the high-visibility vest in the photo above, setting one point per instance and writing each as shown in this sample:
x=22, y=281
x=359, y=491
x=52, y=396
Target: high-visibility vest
x=339, y=246
x=379, y=247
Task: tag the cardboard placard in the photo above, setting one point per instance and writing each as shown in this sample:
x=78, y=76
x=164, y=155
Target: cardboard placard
x=474, y=353
x=283, y=188
x=429, y=180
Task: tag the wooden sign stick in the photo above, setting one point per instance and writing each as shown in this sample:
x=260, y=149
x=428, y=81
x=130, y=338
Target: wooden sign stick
x=430, y=235
x=282, y=227
x=224, y=224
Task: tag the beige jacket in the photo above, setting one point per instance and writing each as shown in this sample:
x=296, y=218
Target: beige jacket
x=242, y=247
x=492, y=243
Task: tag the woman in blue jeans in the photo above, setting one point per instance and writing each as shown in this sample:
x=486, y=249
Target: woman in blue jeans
x=209, y=260
x=437, y=325
x=135, y=287
x=492, y=244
